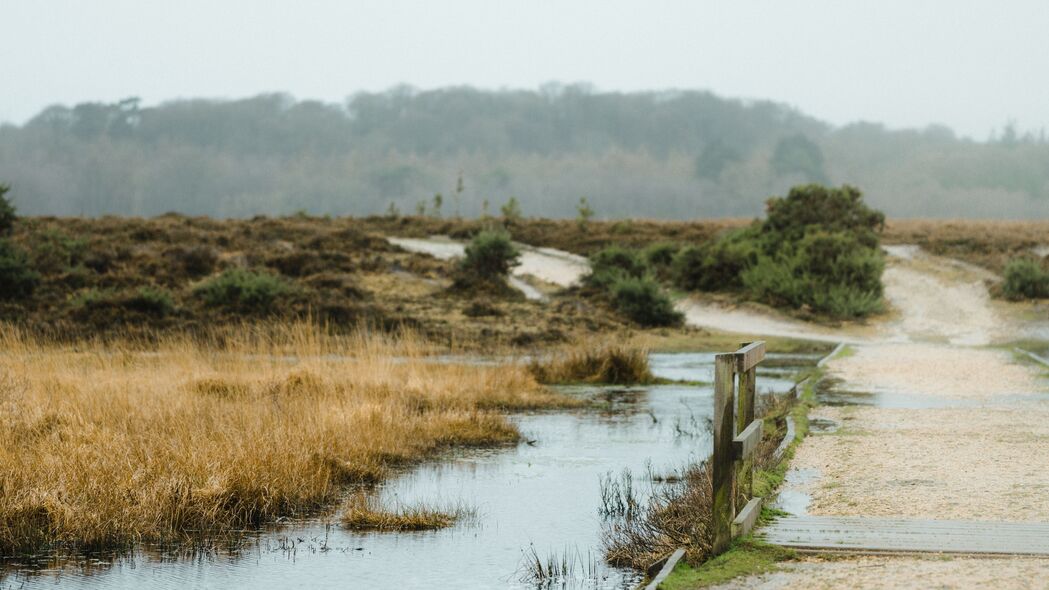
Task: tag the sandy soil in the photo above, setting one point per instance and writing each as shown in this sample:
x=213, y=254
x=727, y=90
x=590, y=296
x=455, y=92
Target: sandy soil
x=964, y=436
x=902, y=572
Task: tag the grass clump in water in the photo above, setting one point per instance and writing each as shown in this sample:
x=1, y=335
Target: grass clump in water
x=366, y=513
x=609, y=363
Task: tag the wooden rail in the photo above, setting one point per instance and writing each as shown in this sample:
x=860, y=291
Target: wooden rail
x=736, y=436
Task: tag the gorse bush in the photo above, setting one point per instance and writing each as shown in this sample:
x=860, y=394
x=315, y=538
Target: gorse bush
x=1025, y=279
x=17, y=277
x=243, y=289
x=816, y=250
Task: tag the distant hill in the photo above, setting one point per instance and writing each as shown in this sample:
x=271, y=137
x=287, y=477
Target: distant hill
x=675, y=155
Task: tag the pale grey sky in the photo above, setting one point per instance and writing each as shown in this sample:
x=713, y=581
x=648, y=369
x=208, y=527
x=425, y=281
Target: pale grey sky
x=906, y=63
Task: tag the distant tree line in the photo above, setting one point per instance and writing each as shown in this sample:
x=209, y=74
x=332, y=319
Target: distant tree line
x=654, y=154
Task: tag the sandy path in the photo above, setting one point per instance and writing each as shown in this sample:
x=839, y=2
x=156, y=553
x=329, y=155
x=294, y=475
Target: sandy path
x=957, y=430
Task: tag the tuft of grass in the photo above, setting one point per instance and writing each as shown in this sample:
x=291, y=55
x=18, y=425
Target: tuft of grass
x=366, y=513
x=609, y=363
x=185, y=440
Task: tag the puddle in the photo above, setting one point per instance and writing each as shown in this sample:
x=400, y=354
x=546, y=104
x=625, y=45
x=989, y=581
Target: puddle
x=823, y=426
x=542, y=494
x=793, y=497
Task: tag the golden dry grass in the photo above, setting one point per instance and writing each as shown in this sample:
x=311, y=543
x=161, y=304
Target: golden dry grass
x=588, y=362
x=104, y=446
x=363, y=512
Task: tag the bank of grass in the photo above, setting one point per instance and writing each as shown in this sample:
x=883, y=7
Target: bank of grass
x=746, y=557
x=184, y=440
x=364, y=512
x=588, y=362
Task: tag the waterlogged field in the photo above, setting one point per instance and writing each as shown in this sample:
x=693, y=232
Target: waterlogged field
x=267, y=443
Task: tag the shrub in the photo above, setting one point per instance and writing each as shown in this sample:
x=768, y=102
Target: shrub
x=17, y=277
x=825, y=208
x=660, y=254
x=717, y=265
x=490, y=255
x=55, y=252
x=195, y=261
x=146, y=300
x=7, y=211
x=818, y=249
x=244, y=289
x=612, y=264
x=150, y=300
x=641, y=299
x=1025, y=279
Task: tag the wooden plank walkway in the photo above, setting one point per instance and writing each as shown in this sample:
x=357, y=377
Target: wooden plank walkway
x=862, y=534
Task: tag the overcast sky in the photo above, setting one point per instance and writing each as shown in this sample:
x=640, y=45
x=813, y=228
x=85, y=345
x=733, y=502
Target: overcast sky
x=970, y=65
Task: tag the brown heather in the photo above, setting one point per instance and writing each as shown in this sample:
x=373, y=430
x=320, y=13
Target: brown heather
x=105, y=446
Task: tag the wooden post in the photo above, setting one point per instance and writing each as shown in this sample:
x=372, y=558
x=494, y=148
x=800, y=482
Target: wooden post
x=744, y=416
x=723, y=469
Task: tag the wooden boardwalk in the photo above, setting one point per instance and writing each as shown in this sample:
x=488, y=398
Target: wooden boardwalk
x=875, y=535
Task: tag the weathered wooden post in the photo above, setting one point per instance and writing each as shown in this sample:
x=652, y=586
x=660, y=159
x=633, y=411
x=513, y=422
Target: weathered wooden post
x=723, y=469
x=736, y=435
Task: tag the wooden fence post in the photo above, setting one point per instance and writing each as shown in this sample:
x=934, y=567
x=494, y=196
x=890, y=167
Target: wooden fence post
x=723, y=469
x=744, y=416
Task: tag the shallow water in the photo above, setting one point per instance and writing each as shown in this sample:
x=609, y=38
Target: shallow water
x=540, y=495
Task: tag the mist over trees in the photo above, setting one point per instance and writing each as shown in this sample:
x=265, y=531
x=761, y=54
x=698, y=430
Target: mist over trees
x=655, y=154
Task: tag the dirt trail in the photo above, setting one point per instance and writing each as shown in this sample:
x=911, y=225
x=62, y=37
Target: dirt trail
x=542, y=265
x=955, y=429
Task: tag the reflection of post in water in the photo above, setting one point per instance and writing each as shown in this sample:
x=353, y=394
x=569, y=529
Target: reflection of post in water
x=736, y=435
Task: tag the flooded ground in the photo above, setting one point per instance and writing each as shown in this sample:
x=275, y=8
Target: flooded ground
x=541, y=495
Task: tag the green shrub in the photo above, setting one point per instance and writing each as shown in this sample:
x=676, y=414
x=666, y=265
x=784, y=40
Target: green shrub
x=717, y=265
x=7, y=211
x=243, y=289
x=490, y=255
x=55, y=252
x=147, y=300
x=642, y=300
x=660, y=254
x=17, y=277
x=150, y=300
x=825, y=208
x=612, y=264
x=817, y=250
x=1025, y=279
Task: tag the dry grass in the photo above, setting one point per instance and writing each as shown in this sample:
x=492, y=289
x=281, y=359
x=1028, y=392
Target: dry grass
x=104, y=446
x=986, y=243
x=363, y=512
x=606, y=362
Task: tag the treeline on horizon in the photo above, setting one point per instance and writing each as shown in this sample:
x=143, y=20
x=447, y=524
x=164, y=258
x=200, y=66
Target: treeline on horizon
x=673, y=155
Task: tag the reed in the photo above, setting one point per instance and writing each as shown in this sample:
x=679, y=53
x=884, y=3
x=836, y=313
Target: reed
x=588, y=362
x=106, y=445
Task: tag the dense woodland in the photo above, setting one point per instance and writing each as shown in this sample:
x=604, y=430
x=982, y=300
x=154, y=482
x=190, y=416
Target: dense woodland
x=676, y=155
